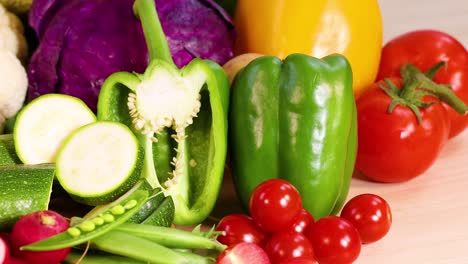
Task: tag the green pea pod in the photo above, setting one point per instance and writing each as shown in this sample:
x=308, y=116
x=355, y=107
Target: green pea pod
x=180, y=118
x=94, y=226
x=295, y=119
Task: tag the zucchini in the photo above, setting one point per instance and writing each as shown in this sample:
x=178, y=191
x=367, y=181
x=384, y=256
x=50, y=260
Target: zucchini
x=23, y=189
x=163, y=215
x=7, y=150
x=99, y=162
x=43, y=124
x=150, y=206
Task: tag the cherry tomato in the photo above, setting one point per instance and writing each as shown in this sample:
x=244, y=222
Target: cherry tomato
x=300, y=260
x=423, y=49
x=370, y=214
x=394, y=147
x=302, y=221
x=243, y=253
x=275, y=204
x=240, y=228
x=286, y=245
x=335, y=241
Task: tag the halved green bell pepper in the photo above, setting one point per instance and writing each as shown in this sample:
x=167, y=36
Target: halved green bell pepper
x=180, y=118
x=295, y=119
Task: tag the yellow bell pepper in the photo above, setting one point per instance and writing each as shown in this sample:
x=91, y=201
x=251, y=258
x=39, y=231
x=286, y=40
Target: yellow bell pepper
x=318, y=28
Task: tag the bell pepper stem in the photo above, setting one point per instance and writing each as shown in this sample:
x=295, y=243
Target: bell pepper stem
x=155, y=38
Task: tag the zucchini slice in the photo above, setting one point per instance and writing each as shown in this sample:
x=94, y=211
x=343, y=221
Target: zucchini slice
x=99, y=162
x=43, y=124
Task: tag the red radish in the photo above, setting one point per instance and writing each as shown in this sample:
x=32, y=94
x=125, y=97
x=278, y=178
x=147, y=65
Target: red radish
x=34, y=227
x=4, y=252
x=14, y=260
x=243, y=253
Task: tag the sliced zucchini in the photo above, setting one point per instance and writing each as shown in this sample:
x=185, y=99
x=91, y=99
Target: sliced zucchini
x=43, y=124
x=99, y=162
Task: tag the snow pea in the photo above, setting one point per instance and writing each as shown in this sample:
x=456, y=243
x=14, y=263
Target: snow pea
x=93, y=227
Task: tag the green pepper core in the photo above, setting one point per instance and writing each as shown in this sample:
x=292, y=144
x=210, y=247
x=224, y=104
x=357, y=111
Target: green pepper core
x=180, y=118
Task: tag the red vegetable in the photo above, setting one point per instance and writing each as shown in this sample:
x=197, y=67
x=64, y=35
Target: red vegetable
x=240, y=228
x=302, y=221
x=335, y=241
x=370, y=214
x=14, y=260
x=287, y=245
x=401, y=129
x=4, y=252
x=34, y=227
x=423, y=49
x=275, y=204
x=300, y=260
x=243, y=253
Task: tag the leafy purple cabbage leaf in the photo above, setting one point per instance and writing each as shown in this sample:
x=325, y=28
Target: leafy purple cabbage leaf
x=82, y=42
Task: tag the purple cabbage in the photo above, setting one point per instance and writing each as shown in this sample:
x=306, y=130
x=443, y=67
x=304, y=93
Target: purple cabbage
x=82, y=42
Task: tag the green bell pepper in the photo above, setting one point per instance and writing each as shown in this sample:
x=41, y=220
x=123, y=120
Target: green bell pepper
x=296, y=120
x=180, y=118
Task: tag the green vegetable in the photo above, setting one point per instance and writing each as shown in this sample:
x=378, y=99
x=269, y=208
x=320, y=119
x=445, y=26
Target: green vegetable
x=24, y=189
x=121, y=243
x=7, y=150
x=99, y=162
x=94, y=226
x=155, y=200
x=43, y=124
x=163, y=215
x=179, y=116
x=170, y=237
x=295, y=119
x=98, y=258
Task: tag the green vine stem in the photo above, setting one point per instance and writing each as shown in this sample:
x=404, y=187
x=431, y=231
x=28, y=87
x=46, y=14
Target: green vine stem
x=415, y=86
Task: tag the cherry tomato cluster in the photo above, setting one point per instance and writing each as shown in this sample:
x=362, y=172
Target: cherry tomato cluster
x=279, y=230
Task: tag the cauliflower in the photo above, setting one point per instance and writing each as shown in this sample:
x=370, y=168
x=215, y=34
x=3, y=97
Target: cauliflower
x=12, y=73
x=12, y=35
x=17, y=6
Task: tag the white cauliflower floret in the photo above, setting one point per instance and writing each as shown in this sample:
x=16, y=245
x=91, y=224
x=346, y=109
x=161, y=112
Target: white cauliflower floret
x=14, y=86
x=12, y=34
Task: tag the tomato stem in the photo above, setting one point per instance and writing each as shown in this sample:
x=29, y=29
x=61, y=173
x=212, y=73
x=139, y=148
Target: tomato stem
x=417, y=85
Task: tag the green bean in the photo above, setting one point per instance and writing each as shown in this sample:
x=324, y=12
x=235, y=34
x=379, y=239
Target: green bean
x=98, y=258
x=131, y=246
x=90, y=230
x=171, y=237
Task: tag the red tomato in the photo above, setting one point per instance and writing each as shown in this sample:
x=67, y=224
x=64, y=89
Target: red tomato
x=302, y=222
x=370, y=214
x=335, y=241
x=424, y=49
x=394, y=147
x=275, y=204
x=243, y=253
x=286, y=245
x=300, y=260
x=240, y=228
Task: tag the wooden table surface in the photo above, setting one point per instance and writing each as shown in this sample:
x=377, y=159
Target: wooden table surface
x=430, y=213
